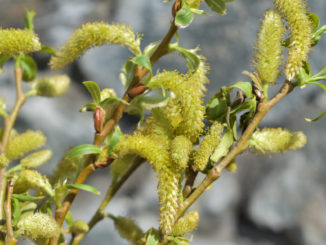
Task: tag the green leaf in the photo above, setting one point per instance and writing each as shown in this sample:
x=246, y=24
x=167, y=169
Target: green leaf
x=69, y=219
x=29, y=19
x=111, y=100
x=217, y=6
x=144, y=61
x=15, y=212
x=85, y=149
x=322, y=71
x=316, y=118
x=24, y=198
x=94, y=90
x=184, y=17
x=88, y=107
x=152, y=239
x=114, y=139
x=29, y=68
x=3, y=59
x=314, y=19
x=47, y=49
x=246, y=87
x=150, y=48
x=198, y=11
x=127, y=73
x=224, y=146
x=83, y=187
x=190, y=56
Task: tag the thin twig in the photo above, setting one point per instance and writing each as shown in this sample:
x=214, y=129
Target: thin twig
x=240, y=146
x=10, y=239
x=112, y=190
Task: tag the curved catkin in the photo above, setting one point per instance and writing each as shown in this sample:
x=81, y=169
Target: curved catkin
x=128, y=229
x=13, y=41
x=294, y=11
x=52, y=86
x=168, y=192
x=91, y=35
x=268, y=48
x=39, y=225
x=36, y=159
x=24, y=143
x=186, y=224
x=180, y=149
x=207, y=146
x=276, y=140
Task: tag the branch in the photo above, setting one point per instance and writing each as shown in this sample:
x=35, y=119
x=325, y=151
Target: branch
x=112, y=190
x=117, y=114
x=10, y=239
x=240, y=146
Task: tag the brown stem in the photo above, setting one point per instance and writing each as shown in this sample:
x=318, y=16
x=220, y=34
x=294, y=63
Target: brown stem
x=241, y=146
x=10, y=239
x=191, y=176
x=99, y=138
x=112, y=190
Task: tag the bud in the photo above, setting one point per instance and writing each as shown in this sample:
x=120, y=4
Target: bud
x=32, y=179
x=186, y=224
x=36, y=159
x=24, y=143
x=232, y=167
x=276, y=140
x=52, y=86
x=79, y=226
x=181, y=147
x=99, y=116
x=4, y=161
x=128, y=229
x=39, y=225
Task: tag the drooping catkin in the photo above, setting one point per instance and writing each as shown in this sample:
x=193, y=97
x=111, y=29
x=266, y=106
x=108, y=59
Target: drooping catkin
x=34, y=180
x=294, y=12
x=39, y=225
x=36, y=159
x=13, y=41
x=91, y=35
x=180, y=150
x=276, y=140
x=168, y=192
x=268, y=48
x=128, y=229
x=207, y=146
x=186, y=224
x=52, y=86
x=24, y=143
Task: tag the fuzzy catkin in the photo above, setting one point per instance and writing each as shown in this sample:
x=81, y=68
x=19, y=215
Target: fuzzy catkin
x=294, y=11
x=39, y=225
x=180, y=149
x=128, y=229
x=268, y=53
x=36, y=159
x=18, y=40
x=91, y=35
x=4, y=161
x=24, y=143
x=276, y=140
x=207, y=146
x=186, y=224
x=52, y=86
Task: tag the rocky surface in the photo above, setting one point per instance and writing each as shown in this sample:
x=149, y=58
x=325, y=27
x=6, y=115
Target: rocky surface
x=271, y=200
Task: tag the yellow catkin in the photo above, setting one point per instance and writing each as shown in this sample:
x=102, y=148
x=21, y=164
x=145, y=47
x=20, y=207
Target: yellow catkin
x=52, y=86
x=207, y=146
x=186, y=224
x=36, y=159
x=79, y=226
x=276, y=140
x=13, y=41
x=128, y=229
x=294, y=11
x=24, y=143
x=91, y=35
x=168, y=192
x=4, y=161
x=34, y=180
x=180, y=149
x=268, y=53
x=39, y=225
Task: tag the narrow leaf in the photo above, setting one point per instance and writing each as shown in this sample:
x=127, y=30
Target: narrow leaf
x=15, y=212
x=94, y=90
x=23, y=198
x=29, y=68
x=111, y=100
x=127, y=73
x=144, y=61
x=29, y=19
x=47, y=49
x=316, y=118
x=314, y=19
x=85, y=149
x=190, y=56
x=217, y=6
x=223, y=148
x=114, y=139
x=152, y=239
x=184, y=17
x=246, y=87
x=88, y=107
x=83, y=187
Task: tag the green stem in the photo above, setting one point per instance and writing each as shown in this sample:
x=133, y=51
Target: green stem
x=240, y=146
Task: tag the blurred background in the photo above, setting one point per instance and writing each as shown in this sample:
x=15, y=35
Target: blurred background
x=271, y=200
